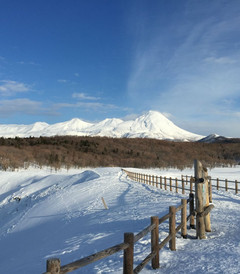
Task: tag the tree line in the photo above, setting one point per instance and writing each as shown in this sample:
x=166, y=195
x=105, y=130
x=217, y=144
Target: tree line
x=73, y=151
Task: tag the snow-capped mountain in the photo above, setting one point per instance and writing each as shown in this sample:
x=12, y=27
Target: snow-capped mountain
x=153, y=124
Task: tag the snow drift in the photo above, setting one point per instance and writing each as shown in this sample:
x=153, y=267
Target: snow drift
x=46, y=214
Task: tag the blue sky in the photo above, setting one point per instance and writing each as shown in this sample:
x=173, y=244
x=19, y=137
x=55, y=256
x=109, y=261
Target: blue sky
x=96, y=59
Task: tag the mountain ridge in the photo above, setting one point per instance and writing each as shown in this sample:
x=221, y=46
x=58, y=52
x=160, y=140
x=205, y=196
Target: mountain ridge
x=152, y=124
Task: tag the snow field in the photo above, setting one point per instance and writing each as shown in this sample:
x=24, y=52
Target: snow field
x=60, y=214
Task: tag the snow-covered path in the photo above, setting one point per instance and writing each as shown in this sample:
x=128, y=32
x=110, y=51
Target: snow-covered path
x=60, y=214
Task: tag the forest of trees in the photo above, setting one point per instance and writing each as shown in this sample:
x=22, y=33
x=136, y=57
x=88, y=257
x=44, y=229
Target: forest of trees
x=69, y=151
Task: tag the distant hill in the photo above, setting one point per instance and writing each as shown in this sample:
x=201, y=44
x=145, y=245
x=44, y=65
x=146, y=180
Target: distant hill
x=214, y=138
x=153, y=125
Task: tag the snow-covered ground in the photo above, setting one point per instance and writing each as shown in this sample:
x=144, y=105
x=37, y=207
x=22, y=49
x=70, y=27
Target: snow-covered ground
x=46, y=214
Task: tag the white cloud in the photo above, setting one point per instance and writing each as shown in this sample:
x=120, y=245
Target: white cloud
x=83, y=96
x=22, y=106
x=10, y=88
x=90, y=106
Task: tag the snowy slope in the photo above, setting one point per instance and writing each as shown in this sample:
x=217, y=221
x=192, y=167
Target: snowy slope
x=150, y=125
x=46, y=214
x=155, y=125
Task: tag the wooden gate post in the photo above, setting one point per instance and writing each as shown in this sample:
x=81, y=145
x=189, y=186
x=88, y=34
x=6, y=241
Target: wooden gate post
x=207, y=217
x=199, y=185
x=155, y=242
x=53, y=266
x=172, y=227
x=128, y=253
x=184, y=218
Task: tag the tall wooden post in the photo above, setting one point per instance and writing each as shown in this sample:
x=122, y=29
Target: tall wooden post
x=155, y=242
x=53, y=266
x=207, y=217
x=128, y=253
x=172, y=227
x=184, y=218
x=199, y=185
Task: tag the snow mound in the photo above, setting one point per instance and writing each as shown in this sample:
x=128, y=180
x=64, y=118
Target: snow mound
x=86, y=176
x=62, y=214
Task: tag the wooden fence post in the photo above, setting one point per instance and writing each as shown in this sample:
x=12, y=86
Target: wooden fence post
x=184, y=218
x=176, y=184
x=207, y=217
x=191, y=208
x=226, y=185
x=217, y=184
x=200, y=224
x=183, y=190
x=236, y=186
x=53, y=266
x=165, y=183
x=155, y=242
x=161, y=182
x=128, y=253
x=210, y=189
x=170, y=182
x=172, y=227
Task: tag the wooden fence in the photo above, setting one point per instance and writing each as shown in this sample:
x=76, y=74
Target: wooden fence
x=185, y=183
x=127, y=246
x=164, y=182
x=225, y=184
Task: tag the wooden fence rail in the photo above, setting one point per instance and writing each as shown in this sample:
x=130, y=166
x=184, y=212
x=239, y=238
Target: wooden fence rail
x=54, y=265
x=169, y=183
